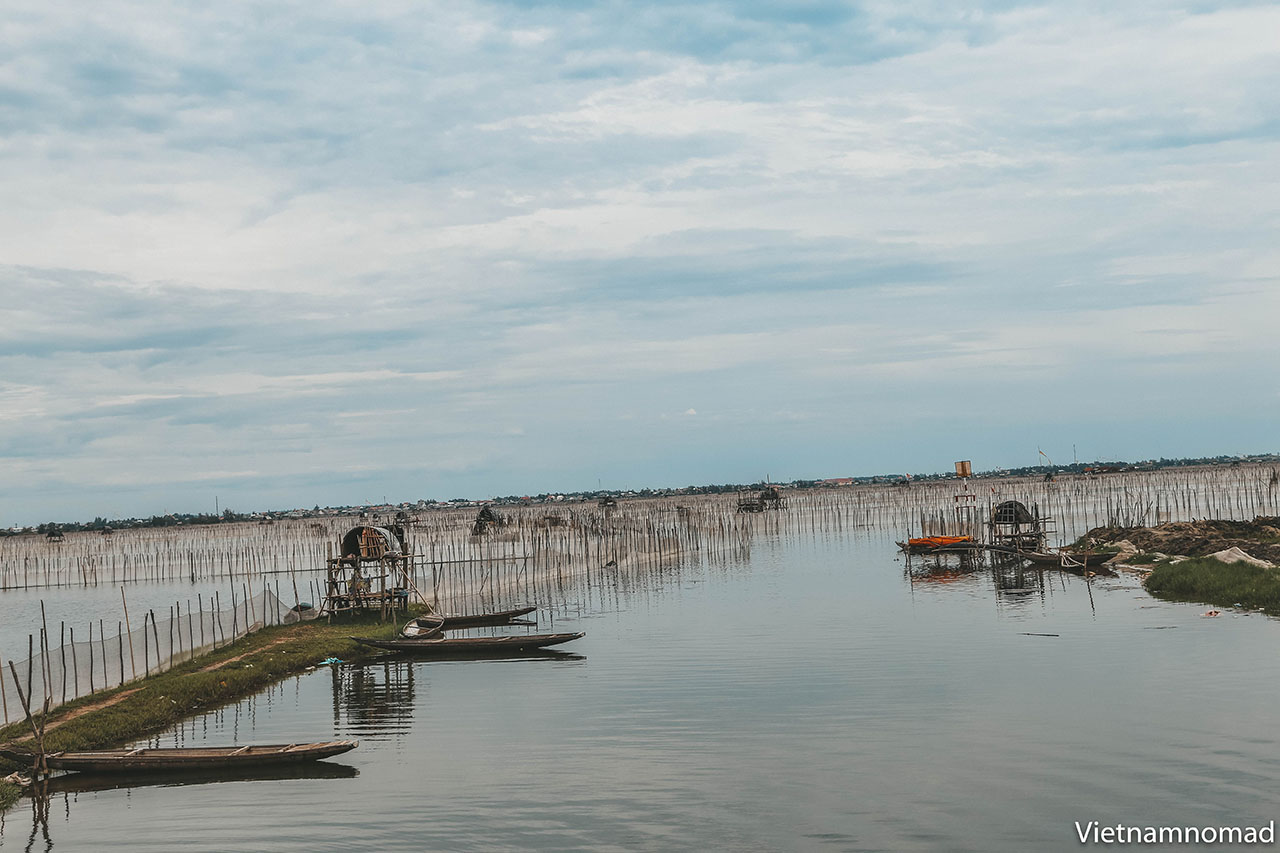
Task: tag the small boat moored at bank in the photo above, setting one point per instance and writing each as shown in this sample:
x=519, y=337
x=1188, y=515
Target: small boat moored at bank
x=193, y=758
x=480, y=620
x=443, y=646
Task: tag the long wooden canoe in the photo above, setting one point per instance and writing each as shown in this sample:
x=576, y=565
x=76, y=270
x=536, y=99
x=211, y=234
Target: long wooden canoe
x=1089, y=558
x=443, y=646
x=1076, y=562
x=195, y=758
x=479, y=620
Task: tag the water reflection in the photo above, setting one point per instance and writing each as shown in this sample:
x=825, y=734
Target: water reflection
x=374, y=699
x=84, y=783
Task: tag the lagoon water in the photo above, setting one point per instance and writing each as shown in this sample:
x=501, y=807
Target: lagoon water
x=812, y=695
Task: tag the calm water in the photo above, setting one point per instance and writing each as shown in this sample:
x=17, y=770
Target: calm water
x=811, y=697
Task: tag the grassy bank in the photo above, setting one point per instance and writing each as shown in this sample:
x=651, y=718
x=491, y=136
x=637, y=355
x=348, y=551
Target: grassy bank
x=1207, y=580
x=141, y=708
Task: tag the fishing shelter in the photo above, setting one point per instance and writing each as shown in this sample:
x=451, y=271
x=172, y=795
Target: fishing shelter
x=1013, y=525
x=372, y=570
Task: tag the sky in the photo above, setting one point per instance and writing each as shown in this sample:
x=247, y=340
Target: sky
x=278, y=255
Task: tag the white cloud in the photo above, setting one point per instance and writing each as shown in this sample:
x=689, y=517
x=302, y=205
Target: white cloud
x=325, y=235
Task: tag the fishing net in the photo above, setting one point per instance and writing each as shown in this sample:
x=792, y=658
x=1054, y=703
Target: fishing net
x=110, y=656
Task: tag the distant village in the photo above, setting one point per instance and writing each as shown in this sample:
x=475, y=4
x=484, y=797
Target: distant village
x=107, y=526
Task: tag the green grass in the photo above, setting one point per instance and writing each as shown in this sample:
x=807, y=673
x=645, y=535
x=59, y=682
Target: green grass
x=161, y=701
x=9, y=794
x=1211, y=581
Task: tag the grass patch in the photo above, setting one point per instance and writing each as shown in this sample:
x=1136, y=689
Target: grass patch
x=1211, y=581
x=9, y=794
x=160, y=701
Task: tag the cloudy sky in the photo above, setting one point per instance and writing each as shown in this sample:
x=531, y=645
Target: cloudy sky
x=289, y=254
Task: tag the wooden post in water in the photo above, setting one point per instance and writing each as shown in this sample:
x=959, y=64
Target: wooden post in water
x=46, y=670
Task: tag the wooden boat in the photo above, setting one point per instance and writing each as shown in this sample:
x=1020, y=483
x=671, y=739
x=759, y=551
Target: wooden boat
x=444, y=646
x=926, y=544
x=1075, y=561
x=1072, y=561
x=479, y=620
x=196, y=758
x=422, y=627
x=1085, y=558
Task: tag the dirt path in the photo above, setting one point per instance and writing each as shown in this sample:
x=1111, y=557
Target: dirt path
x=220, y=664
x=90, y=708
x=120, y=697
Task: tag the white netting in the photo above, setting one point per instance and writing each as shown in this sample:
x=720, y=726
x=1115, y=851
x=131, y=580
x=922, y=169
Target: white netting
x=79, y=668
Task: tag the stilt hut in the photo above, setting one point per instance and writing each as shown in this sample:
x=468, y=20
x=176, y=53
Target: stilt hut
x=486, y=520
x=371, y=571
x=1013, y=525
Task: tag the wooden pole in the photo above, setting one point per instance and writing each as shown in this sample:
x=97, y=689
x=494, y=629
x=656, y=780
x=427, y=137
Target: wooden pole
x=155, y=633
x=75, y=667
x=4, y=697
x=133, y=667
x=63, y=649
x=41, y=767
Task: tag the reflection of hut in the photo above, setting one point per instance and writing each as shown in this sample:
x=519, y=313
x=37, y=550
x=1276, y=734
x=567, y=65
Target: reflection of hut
x=376, y=695
x=1012, y=525
x=486, y=519
x=372, y=569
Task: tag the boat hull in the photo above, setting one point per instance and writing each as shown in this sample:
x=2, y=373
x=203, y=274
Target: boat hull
x=448, y=646
x=480, y=620
x=208, y=758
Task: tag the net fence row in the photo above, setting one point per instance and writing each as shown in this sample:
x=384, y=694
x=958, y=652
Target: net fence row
x=110, y=656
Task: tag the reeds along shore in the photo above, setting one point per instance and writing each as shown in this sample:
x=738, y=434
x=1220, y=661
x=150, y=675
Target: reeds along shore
x=563, y=537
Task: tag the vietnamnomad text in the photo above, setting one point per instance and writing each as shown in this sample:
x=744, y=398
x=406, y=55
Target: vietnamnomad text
x=1096, y=833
